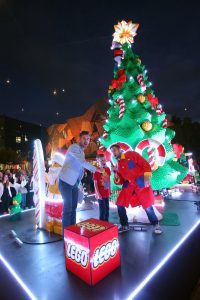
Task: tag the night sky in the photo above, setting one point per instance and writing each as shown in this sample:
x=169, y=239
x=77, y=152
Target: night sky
x=47, y=45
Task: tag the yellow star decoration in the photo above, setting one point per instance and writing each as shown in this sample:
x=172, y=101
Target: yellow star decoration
x=125, y=32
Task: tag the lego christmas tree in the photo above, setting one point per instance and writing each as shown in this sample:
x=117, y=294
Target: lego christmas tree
x=136, y=119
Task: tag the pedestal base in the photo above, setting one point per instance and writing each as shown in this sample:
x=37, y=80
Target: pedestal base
x=38, y=236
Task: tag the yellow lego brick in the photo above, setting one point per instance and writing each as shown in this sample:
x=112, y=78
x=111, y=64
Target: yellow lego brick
x=57, y=230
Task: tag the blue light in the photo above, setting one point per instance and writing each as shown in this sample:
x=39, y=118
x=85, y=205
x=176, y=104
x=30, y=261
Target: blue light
x=138, y=289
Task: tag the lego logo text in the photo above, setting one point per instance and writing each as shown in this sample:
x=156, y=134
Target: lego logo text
x=104, y=253
x=77, y=254
x=91, y=226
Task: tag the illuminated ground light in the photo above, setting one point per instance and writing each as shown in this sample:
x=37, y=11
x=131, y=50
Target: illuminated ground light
x=147, y=279
x=17, y=278
x=6, y=215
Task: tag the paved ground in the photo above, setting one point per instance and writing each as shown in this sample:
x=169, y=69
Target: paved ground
x=42, y=267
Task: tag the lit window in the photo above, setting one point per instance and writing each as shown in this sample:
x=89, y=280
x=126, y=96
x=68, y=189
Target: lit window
x=25, y=138
x=18, y=139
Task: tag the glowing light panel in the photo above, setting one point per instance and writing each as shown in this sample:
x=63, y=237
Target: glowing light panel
x=17, y=278
x=162, y=263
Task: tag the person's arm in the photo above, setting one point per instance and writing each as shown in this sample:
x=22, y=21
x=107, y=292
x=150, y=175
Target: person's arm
x=98, y=195
x=75, y=151
x=118, y=179
x=146, y=168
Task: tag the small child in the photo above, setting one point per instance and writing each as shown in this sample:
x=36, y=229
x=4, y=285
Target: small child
x=102, y=187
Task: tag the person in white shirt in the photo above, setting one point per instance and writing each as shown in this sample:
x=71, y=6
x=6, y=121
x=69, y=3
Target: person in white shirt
x=71, y=175
x=7, y=194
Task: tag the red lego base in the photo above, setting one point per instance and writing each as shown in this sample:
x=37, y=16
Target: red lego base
x=92, y=249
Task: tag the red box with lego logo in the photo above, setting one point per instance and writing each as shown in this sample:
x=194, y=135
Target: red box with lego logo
x=92, y=249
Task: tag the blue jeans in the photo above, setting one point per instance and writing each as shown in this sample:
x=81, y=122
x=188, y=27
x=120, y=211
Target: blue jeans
x=122, y=215
x=104, y=209
x=151, y=215
x=23, y=202
x=70, y=199
x=124, y=219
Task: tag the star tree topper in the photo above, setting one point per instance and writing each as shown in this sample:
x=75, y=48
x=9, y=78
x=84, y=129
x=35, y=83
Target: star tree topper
x=125, y=32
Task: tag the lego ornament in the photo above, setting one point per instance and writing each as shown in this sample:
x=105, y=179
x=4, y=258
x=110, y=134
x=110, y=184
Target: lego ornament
x=151, y=159
x=146, y=125
x=101, y=148
x=159, y=109
x=152, y=100
x=110, y=89
x=121, y=107
x=165, y=123
x=105, y=134
x=118, y=52
x=140, y=98
x=140, y=80
x=118, y=82
x=138, y=61
x=125, y=32
x=155, y=159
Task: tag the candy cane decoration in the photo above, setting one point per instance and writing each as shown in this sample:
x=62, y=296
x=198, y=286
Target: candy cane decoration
x=151, y=157
x=39, y=184
x=101, y=147
x=165, y=123
x=105, y=134
x=140, y=80
x=159, y=109
x=153, y=144
x=121, y=107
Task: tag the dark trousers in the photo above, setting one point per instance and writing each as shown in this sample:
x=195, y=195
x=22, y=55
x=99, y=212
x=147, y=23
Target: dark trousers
x=70, y=199
x=29, y=200
x=124, y=219
x=23, y=202
x=104, y=209
x=6, y=201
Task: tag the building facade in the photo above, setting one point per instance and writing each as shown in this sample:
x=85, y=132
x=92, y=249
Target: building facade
x=18, y=136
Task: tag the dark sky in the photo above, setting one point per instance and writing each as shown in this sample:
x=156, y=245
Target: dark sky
x=66, y=44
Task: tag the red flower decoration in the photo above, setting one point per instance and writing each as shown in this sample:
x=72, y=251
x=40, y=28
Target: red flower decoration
x=153, y=101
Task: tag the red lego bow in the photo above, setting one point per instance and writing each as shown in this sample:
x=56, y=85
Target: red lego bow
x=152, y=100
x=116, y=83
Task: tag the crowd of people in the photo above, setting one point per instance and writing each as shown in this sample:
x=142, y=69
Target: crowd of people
x=12, y=183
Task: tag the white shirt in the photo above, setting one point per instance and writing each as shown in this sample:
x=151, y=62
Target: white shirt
x=74, y=165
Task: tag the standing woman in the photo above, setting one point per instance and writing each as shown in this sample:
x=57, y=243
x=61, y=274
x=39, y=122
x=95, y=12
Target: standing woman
x=7, y=195
x=23, y=190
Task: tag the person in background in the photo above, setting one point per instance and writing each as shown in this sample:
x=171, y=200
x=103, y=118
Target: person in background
x=30, y=193
x=7, y=194
x=17, y=182
x=23, y=190
x=133, y=172
x=85, y=182
x=10, y=177
x=102, y=187
x=1, y=191
x=91, y=183
x=71, y=175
